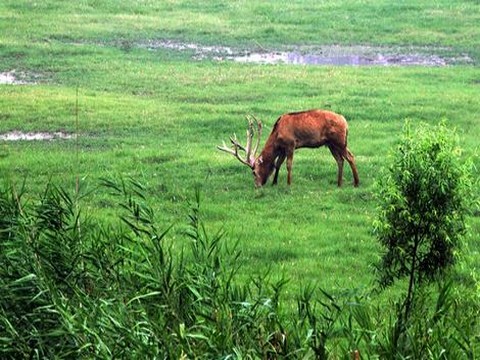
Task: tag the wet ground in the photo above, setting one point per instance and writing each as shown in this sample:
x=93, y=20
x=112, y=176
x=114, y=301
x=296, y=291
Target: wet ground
x=29, y=136
x=299, y=55
x=355, y=55
x=338, y=55
x=296, y=58
x=10, y=77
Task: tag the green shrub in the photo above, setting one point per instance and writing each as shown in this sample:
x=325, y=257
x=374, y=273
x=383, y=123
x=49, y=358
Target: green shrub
x=423, y=204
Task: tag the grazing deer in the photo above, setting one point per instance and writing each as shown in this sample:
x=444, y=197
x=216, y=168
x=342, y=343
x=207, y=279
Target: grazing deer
x=310, y=129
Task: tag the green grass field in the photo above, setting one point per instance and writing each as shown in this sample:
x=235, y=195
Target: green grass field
x=157, y=115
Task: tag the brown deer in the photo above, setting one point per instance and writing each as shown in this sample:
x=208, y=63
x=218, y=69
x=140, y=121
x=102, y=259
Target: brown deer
x=306, y=129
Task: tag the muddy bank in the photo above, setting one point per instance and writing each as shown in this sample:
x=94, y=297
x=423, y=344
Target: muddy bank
x=355, y=55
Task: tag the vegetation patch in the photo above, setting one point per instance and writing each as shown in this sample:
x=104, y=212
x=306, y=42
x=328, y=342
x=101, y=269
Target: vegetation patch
x=75, y=287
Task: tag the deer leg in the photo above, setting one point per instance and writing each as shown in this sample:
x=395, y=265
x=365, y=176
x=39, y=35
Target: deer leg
x=351, y=161
x=339, y=159
x=289, y=166
x=278, y=164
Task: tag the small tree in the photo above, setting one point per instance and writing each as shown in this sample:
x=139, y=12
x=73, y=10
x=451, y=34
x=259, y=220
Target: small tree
x=422, y=208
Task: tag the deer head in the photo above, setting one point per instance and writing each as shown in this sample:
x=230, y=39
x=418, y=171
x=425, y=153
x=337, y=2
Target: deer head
x=236, y=149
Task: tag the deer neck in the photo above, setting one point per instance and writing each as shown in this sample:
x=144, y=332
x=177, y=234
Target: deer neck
x=268, y=153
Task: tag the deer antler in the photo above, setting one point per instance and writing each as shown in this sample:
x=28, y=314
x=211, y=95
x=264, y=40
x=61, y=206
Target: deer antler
x=249, y=159
x=259, y=132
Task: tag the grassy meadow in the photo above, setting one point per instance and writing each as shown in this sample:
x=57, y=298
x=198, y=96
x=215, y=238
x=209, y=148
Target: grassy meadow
x=157, y=116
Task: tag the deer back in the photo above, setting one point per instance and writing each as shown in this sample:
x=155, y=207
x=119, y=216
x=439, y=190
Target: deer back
x=311, y=128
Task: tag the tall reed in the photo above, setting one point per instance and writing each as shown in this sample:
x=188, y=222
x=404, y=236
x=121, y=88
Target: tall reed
x=121, y=291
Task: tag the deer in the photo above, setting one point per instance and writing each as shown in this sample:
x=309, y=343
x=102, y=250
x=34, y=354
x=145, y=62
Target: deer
x=304, y=129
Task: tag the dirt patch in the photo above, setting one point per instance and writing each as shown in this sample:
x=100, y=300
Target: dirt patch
x=320, y=55
x=31, y=136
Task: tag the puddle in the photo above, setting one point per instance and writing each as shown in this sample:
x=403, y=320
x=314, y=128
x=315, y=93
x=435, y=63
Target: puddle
x=10, y=78
x=320, y=55
x=31, y=136
x=341, y=60
x=14, y=77
x=198, y=49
